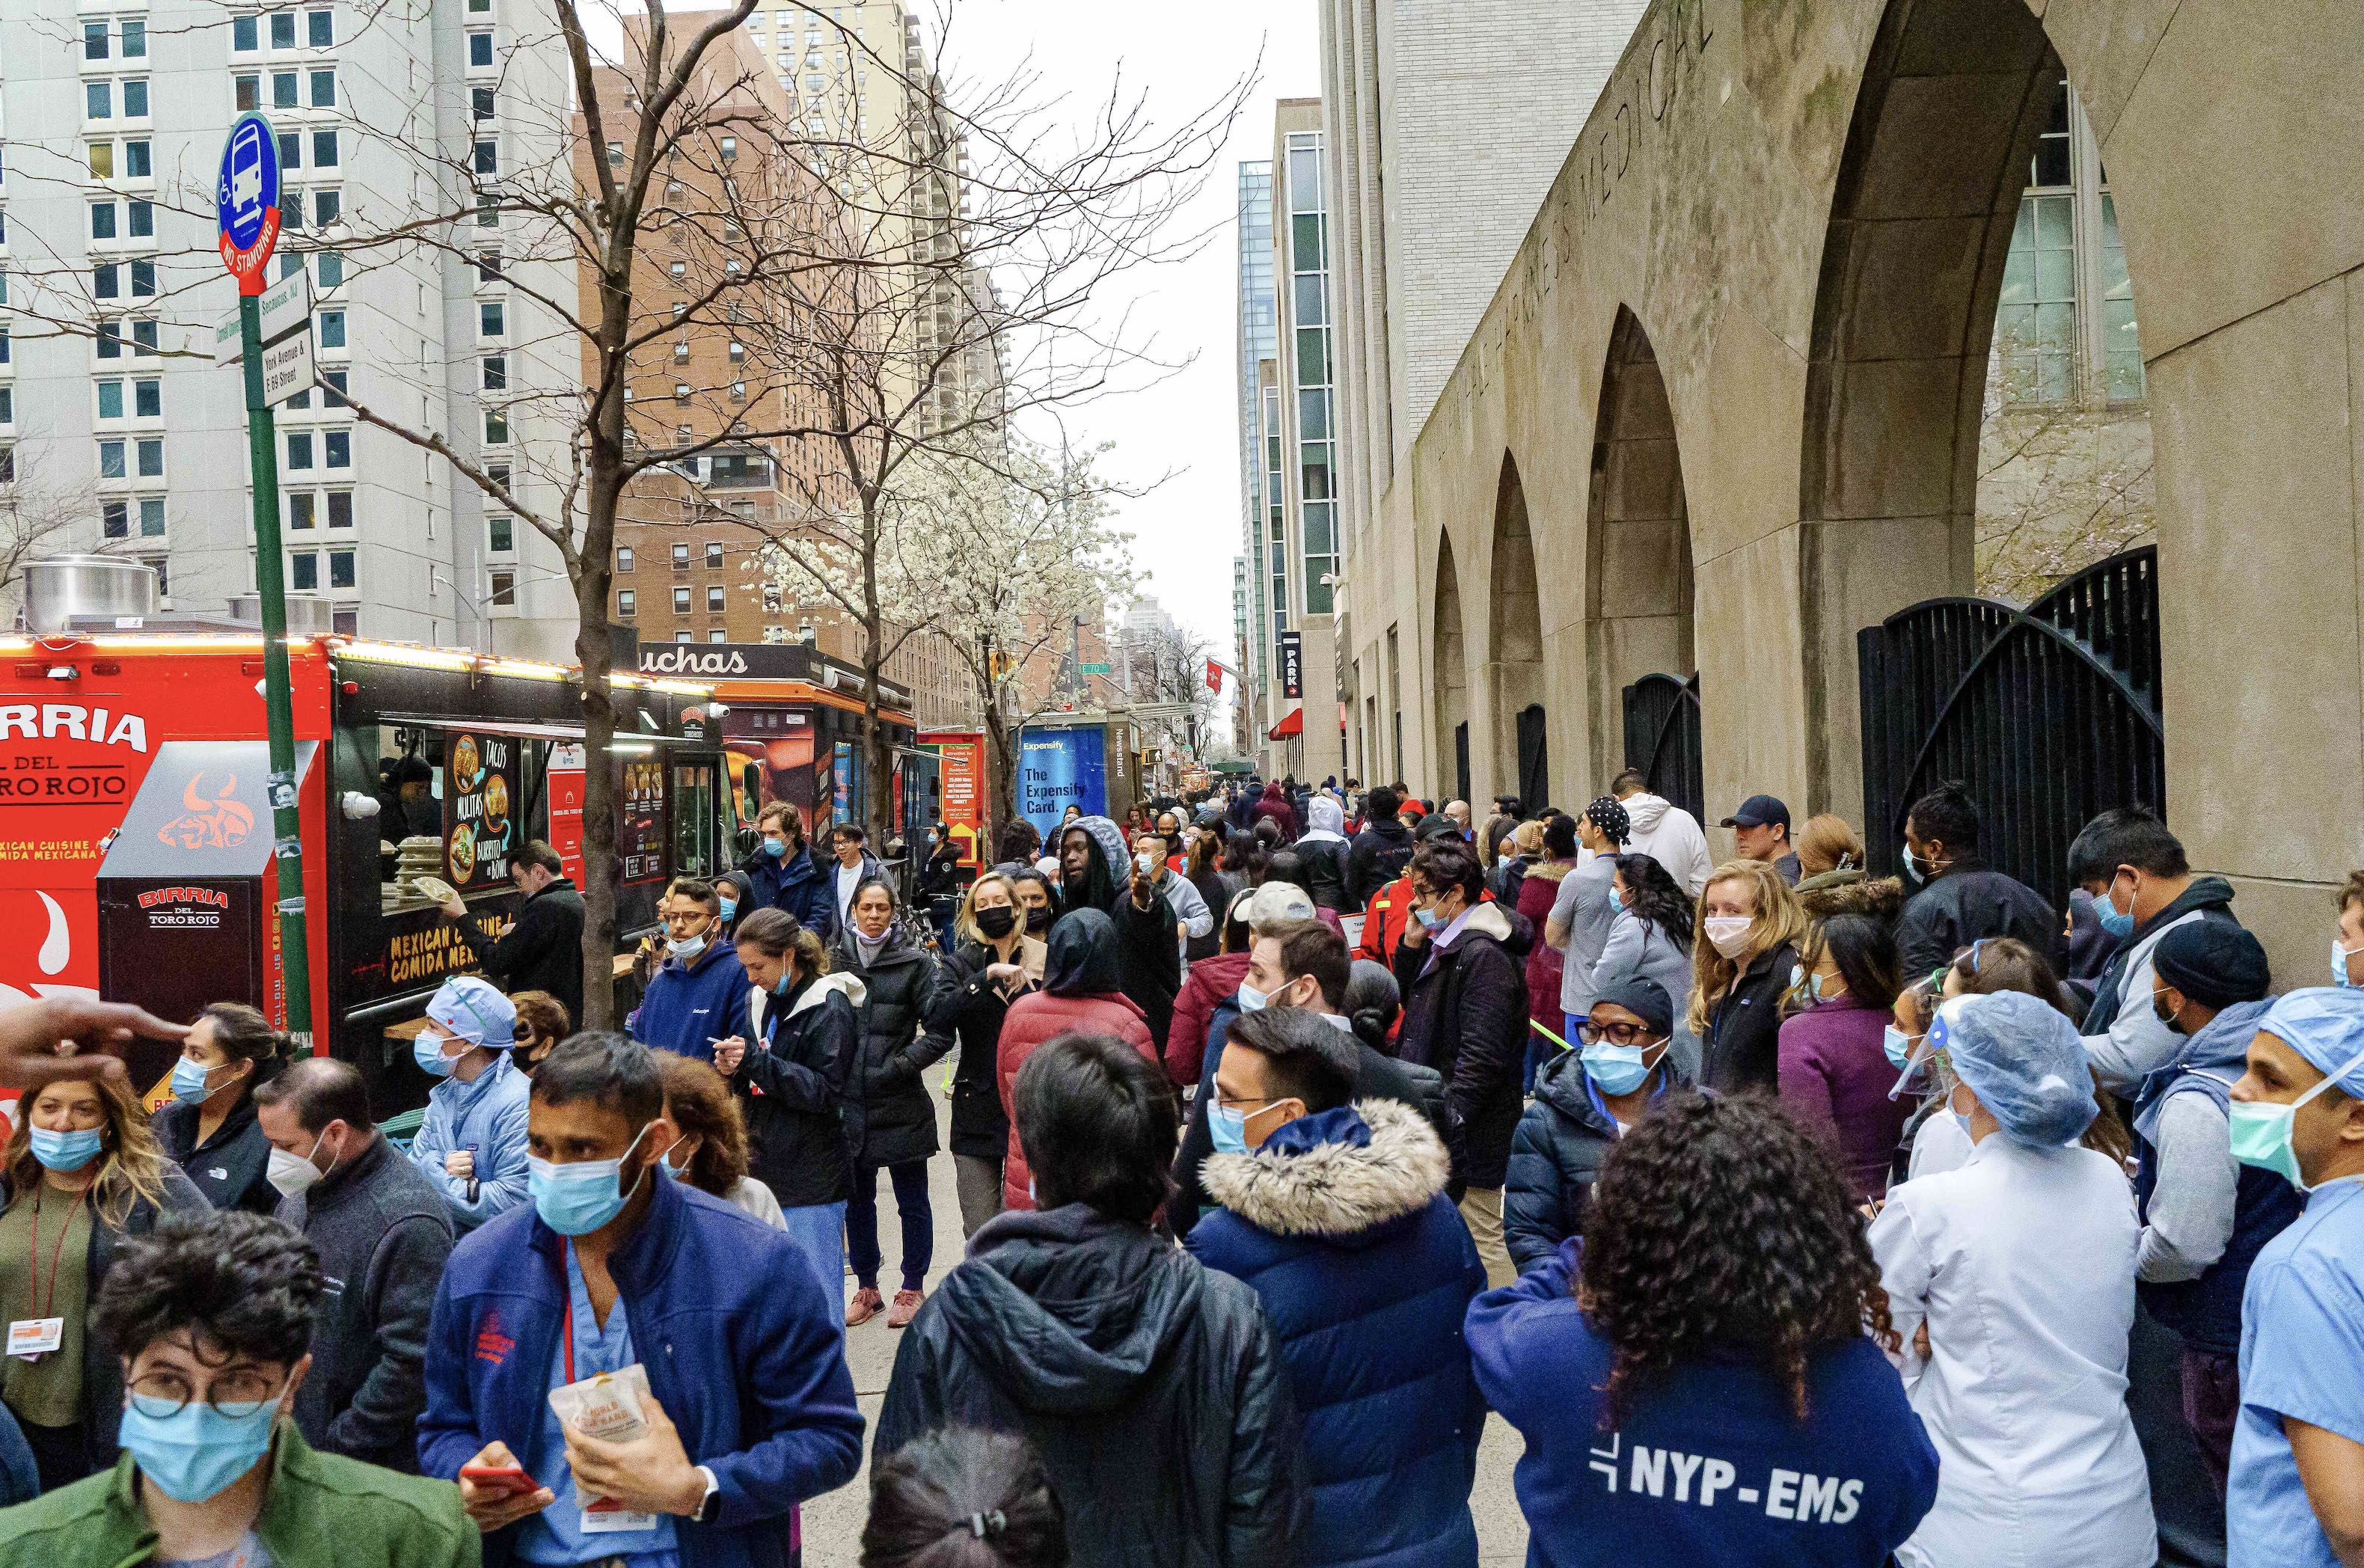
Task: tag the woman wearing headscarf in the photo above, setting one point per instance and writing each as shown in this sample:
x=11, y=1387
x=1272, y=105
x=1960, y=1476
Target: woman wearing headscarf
x=890, y=1123
x=1322, y=849
x=1082, y=992
x=1096, y=872
x=2010, y=1283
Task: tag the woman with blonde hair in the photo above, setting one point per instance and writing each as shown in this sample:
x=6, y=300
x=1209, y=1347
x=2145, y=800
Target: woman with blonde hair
x=1829, y=853
x=1748, y=930
x=993, y=963
x=709, y=1139
x=81, y=1171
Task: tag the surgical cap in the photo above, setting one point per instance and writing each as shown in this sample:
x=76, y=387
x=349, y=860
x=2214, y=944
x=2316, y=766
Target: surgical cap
x=2024, y=1060
x=473, y=1010
x=2325, y=1025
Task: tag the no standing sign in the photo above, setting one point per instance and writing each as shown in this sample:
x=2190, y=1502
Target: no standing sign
x=247, y=200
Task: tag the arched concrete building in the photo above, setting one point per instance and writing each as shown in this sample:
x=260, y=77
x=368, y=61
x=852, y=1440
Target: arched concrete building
x=1727, y=399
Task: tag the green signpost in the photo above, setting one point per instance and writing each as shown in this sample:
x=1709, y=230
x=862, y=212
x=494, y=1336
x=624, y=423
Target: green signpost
x=247, y=203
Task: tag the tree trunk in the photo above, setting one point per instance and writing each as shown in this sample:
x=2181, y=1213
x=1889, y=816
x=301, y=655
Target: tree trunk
x=593, y=652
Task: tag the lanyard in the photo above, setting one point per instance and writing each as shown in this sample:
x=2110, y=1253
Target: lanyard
x=35, y=1307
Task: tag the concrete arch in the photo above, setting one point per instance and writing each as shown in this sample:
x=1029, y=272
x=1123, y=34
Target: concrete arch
x=1448, y=679
x=1514, y=649
x=1638, y=585
x=1802, y=201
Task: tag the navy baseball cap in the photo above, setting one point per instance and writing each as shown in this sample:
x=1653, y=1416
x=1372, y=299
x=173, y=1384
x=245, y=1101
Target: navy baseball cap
x=1756, y=811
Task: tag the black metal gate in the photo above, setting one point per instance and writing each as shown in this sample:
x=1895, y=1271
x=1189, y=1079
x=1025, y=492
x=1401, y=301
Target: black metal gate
x=1461, y=761
x=1662, y=738
x=2046, y=715
x=1534, y=765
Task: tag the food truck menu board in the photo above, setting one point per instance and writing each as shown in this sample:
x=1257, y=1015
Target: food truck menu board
x=480, y=828
x=640, y=820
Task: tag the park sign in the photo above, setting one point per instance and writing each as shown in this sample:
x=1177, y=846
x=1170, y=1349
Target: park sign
x=245, y=201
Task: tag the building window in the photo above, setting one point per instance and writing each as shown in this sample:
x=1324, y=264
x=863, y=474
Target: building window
x=715, y=602
x=481, y=103
x=291, y=150
x=98, y=100
x=304, y=572
x=488, y=266
x=102, y=160
x=714, y=555
x=497, y=427
x=730, y=149
x=329, y=269
x=102, y=220
x=500, y=533
x=338, y=447
x=110, y=400
x=287, y=89
x=332, y=389
x=491, y=319
x=331, y=324
x=488, y=158
x=140, y=218
x=136, y=165
x=324, y=89
x=681, y=392
x=143, y=339
x=299, y=449
x=341, y=508
x=283, y=30
x=244, y=35
x=627, y=602
x=504, y=590
x=328, y=207
x=245, y=93
x=681, y=601
x=143, y=280
x=152, y=517
x=623, y=558
x=148, y=399
x=681, y=557
x=115, y=519
x=147, y=458
x=323, y=26
x=302, y=510
x=324, y=149
x=480, y=49
x=684, y=636
x=340, y=568
x=496, y=376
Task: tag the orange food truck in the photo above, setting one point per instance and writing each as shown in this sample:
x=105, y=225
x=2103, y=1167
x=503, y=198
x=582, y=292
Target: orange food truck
x=136, y=837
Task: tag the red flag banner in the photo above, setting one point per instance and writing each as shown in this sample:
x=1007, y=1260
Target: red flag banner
x=1214, y=676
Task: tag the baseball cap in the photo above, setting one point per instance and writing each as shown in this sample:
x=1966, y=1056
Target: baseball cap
x=1756, y=811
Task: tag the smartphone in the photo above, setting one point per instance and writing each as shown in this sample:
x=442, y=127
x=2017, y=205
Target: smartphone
x=506, y=1478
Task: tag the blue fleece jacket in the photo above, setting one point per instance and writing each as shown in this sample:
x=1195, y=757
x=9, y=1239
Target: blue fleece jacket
x=487, y=1119
x=1341, y=1225
x=1709, y=1469
x=731, y=1325
x=796, y=882
x=686, y=1010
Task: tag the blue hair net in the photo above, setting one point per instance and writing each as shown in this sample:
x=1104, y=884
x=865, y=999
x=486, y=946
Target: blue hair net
x=2325, y=1025
x=2024, y=1060
x=473, y=1010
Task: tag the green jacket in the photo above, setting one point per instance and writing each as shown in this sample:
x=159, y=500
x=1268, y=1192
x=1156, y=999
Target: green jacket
x=322, y=1509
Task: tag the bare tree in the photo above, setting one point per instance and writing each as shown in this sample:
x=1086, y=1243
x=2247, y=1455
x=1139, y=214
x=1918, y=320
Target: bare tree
x=2062, y=483
x=35, y=510
x=1169, y=673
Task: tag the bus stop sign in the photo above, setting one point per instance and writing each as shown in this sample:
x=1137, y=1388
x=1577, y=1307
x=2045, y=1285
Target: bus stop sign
x=247, y=201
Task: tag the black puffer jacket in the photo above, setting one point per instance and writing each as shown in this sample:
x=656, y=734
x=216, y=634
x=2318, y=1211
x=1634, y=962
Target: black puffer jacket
x=1466, y=1016
x=1742, y=1049
x=1374, y=858
x=1149, y=1384
x=1325, y=873
x=1555, y=1155
x=1147, y=947
x=888, y=1118
x=791, y=1088
x=969, y=1010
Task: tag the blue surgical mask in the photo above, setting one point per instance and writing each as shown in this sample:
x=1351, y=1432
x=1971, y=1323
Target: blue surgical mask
x=1228, y=1127
x=1251, y=999
x=428, y=1050
x=1615, y=1069
x=576, y=1199
x=686, y=947
x=2340, y=956
x=65, y=1150
x=730, y=907
x=2105, y=909
x=1898, y=1045
x=189, y=1080
x=775, y=847
x=194, y=1454
x=1913, y=866
x=1429, y=919
x=785, y=984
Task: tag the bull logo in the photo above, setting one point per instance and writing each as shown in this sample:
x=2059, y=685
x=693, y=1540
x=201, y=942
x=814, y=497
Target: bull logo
x=220, y=822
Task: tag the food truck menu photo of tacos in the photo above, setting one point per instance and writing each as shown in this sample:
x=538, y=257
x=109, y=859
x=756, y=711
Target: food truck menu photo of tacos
x=479, y=834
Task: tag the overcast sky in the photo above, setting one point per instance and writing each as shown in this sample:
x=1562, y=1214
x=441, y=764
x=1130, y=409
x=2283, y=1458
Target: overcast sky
x=1180, y=59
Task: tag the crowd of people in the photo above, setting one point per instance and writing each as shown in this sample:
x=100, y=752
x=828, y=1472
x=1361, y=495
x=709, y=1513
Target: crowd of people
x=1790, y=1212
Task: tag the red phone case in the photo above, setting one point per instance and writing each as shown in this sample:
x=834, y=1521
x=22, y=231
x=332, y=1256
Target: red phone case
x=508, y=1478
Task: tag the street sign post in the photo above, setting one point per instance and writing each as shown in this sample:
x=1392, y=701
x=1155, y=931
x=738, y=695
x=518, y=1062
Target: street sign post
x=246, y=202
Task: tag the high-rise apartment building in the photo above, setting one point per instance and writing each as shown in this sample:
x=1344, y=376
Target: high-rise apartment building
x=1255, y=346
x=385, y=118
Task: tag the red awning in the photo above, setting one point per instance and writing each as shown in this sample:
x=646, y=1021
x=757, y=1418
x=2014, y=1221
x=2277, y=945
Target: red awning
x=1293, y=725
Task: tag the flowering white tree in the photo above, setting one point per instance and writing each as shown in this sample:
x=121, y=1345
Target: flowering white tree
x=1012, y=547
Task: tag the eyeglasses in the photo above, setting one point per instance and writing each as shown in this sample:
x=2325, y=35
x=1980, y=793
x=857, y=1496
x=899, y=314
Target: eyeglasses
x=1616, y=1034
x=236, y=1392
x=1251, y=1106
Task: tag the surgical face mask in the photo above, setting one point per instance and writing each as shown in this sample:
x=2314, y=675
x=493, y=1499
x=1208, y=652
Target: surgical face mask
x=1898, y=1045
x=293, y=1173
x=785, y=982
x=2164, y=1014
x=189, y=1080
x=1728, y=933
x=1961, y=1119
x=2262, y=1130
x=686, y=947
x=2105, y=909
x=1228, y=1129
x=576, y=1199
x=775, y=847
x=1808, y=984
x=195, y=1453
x=1429, y=919
x=1912, y=865
x=730, y=907
x=65, y=1150
x=1144, y=862
x=996, y=922
x=1251, y=999
x=2340, y=956
x=428, y=1050
x=1616, y=1069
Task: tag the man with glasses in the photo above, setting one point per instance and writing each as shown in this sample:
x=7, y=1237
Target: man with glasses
x=700, y=994
x=1586, y=1099
x=212, y=1319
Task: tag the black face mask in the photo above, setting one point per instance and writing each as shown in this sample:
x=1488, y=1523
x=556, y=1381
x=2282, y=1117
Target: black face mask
x=1037, y=917
x=996, y=923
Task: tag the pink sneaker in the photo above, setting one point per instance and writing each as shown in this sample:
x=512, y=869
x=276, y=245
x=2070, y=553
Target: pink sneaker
x=862, y=1307
x=906, y=1306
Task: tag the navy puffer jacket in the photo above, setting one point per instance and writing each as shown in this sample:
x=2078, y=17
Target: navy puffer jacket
x=1341, y=1225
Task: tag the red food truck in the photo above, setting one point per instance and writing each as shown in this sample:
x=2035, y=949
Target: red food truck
x=136, y=839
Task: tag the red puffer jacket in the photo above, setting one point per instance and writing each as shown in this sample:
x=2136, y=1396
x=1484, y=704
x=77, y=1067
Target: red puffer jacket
x=1211, y=981
x=1036, y=1018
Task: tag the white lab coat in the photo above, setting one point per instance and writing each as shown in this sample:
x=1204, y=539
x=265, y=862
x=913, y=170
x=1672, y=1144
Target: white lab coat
x=2022, y=1263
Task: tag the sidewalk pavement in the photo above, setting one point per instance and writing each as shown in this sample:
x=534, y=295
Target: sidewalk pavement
x=833, y=1531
